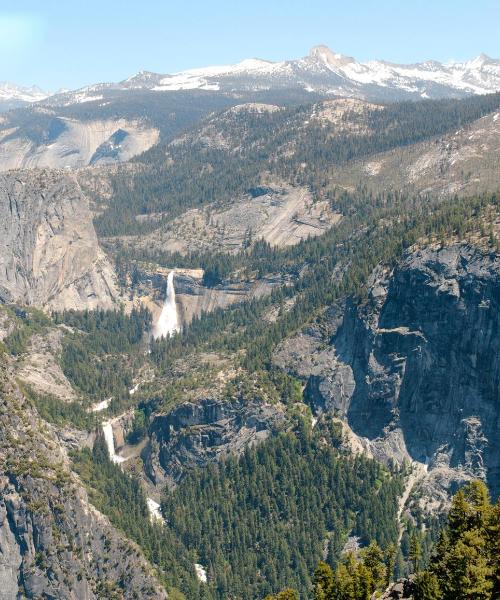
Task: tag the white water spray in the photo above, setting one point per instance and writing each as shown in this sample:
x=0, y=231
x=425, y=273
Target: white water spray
x=107, y=429
x=201, y=572
x=154, y=510
x=168, y=323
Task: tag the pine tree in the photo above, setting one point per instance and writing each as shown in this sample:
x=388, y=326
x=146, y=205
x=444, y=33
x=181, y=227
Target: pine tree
x=390, y=563
x=286, y=594
x=427, y=586
x=373, y=560
x=365, y=585
x=470, y=576
x=463, y=563
x=322, y=582
x=415, y=553
x=344, y=587
x=493, y=547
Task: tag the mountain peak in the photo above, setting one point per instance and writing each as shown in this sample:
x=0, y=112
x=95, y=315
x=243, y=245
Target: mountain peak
x=13, y=91
x=482, y=59
x=331, y=59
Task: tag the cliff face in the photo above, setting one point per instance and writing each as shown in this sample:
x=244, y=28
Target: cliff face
x=193, y=435
x=53, y=543
x=49, y=254
x=415, y=368
x=192, y=297
x=74, y=143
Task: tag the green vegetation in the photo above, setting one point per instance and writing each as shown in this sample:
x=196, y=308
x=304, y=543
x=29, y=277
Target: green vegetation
x=263, y=520
x=27, y=323
x=57, y=411
x=255, y=522
x=109, y=330
x=139, y=427
x=465, y=564
x=100, y=355
x=190, y=174
x=121, y=498
x=466, y=561
x=355, y=577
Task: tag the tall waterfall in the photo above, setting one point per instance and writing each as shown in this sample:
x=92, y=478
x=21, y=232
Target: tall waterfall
x=107, y=429
x=168, y=323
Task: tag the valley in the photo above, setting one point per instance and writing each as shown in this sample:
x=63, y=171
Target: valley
x=244, y=330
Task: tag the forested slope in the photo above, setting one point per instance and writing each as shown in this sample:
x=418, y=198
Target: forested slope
x=236, y=151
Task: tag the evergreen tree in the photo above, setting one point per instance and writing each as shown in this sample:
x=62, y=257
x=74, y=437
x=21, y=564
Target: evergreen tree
x=390, y=555
x=427, y=586
x=323, y=582
x=463, y=563
x=415, y=553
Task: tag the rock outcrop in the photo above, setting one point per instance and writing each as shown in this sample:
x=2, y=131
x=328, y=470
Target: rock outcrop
x=414, y=370
x=192, y=297
x=53, y=542
x=61, y=142
x=193, y=435
x=280, y=214
x=49, y=254
x=402, y=589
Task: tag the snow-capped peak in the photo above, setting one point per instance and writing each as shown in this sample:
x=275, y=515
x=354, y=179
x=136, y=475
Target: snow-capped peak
x=322, y=71
x=11, y=91
x=325, y=71
x=207, y=78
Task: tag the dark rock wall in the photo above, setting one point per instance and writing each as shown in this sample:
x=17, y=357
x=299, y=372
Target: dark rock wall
x=422, y=354
x=193, y=435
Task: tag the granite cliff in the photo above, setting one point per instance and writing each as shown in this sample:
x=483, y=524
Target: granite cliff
x=53, y=542
x=49, y=254
x=195, y=434
x=414, y=370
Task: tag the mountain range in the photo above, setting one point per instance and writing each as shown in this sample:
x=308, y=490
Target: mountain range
x=14, y=96
x=249, y=322
x=322, y=71
x=328, y=72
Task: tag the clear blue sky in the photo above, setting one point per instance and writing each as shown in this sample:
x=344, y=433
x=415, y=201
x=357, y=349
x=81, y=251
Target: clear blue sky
x=66, y=43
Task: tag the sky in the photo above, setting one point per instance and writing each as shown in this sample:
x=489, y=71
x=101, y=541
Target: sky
x=67, y=44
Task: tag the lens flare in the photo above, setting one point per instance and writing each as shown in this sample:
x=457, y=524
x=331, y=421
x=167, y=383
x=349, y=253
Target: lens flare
x=20, y=32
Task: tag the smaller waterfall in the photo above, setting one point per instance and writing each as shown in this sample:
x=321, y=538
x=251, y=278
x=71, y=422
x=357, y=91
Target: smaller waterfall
x=168, y=322
x=154, y=510
x=201, y=572
x=107, y=429
x=103, y=405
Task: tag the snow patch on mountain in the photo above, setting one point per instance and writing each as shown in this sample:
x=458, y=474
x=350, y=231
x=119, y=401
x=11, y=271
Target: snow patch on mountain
x=11, y=91
x=322, y=71
x=325, y=71
x=200, y=78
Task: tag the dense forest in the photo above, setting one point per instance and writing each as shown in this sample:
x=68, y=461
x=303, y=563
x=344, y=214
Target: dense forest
x=465, y=563
x=259, y=521
x=194, y=173
x=102, y=349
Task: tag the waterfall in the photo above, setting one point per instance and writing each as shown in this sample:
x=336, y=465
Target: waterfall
x=154, y=510
x=107, y=429
x=201, y=572
x=168, y=323
x=103, y=405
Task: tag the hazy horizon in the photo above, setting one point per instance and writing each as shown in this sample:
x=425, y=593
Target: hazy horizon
x=69, y=46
